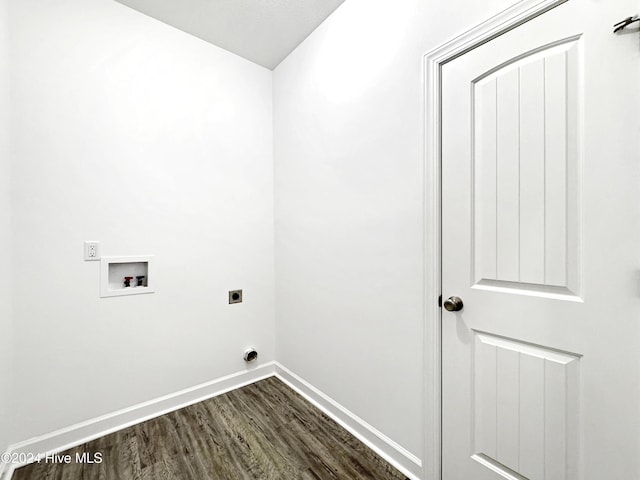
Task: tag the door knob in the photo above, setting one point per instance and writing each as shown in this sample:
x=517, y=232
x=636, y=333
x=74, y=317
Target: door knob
x=453, y=304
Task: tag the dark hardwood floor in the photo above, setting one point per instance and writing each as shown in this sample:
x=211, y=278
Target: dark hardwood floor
x=261, y=431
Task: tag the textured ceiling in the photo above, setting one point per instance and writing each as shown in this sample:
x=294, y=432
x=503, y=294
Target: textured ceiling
x=263, y=31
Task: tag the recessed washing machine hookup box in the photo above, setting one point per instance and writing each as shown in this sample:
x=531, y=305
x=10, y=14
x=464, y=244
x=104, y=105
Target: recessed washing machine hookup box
x=126, y=275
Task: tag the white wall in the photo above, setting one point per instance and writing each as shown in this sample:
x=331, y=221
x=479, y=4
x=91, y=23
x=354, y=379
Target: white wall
x=151, y=141
x=349, y=204
x=5, y=233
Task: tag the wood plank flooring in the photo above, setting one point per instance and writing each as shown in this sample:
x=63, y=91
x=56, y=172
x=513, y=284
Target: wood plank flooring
x=262, y=431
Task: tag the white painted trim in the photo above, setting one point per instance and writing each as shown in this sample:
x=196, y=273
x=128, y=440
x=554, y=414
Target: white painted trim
x=433, y=61
x=396, y=455
x=80, y=433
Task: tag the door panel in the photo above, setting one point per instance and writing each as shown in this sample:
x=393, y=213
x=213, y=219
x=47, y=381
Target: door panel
x=525, y=406
x=540, y=232
x=526, y=211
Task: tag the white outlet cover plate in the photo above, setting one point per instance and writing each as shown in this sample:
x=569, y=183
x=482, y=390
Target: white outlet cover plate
x=91, y=250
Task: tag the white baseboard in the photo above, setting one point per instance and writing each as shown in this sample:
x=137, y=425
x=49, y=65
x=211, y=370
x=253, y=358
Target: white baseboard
x=80, y=433
x=399, y=457
x=83, y=432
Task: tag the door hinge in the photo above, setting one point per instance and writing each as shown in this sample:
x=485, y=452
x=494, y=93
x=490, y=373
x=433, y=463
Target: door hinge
x=440, y=301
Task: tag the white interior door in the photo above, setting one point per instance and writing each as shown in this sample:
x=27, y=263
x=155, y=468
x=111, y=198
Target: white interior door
x=541, y=241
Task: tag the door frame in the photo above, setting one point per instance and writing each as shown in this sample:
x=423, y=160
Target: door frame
x=433, y=61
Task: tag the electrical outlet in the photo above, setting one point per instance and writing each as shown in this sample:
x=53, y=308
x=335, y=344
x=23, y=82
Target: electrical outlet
x=235, y=296
x=91, y=251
